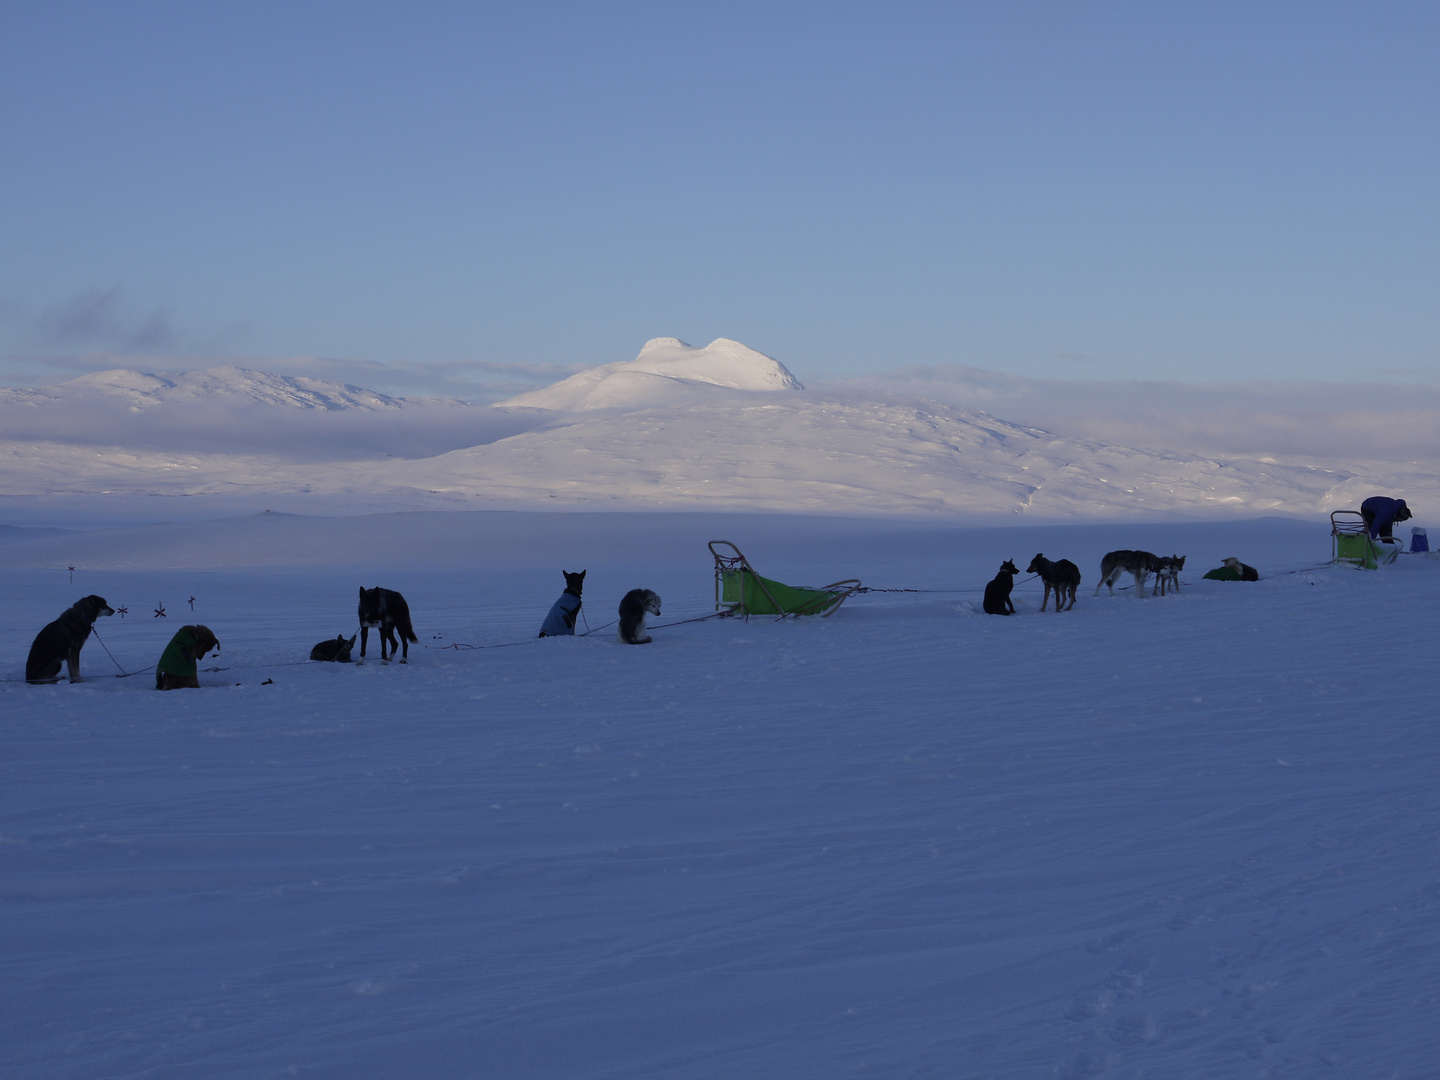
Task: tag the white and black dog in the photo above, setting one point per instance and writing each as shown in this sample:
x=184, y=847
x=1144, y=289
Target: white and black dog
x=636, y=604
x=1140, y=563
x=59, y=643
x=385, y=610
x=1167, y=573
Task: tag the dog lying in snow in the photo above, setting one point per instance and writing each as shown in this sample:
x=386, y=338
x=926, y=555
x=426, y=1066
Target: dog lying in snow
x=59, y=642
x=337, y=650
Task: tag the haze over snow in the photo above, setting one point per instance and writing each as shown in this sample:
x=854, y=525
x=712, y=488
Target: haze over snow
x=679, y=427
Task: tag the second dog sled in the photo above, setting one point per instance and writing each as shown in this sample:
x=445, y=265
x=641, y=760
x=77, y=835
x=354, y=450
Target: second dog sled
x=742, y=591
x=1350, y=542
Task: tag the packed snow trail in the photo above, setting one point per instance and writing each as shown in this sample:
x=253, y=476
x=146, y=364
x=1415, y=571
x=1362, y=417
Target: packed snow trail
x=1194, y=836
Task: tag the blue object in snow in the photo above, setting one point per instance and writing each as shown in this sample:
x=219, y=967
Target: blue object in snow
x=1418, y=540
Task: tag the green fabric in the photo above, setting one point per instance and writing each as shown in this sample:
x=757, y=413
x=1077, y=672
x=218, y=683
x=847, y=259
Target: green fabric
x=1224, y=573
x=173, y=660
x=1356, y=548
x=743, y=588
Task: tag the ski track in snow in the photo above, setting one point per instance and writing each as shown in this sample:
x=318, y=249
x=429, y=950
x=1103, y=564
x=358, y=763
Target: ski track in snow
x=1185, y=836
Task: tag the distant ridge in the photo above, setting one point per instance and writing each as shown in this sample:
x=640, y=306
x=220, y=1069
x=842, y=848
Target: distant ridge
x=667, y=371
x=229, y=385
x=678, y=427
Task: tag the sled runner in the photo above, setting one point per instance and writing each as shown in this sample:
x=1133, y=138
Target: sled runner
x=741, y=591
x=1350, y=542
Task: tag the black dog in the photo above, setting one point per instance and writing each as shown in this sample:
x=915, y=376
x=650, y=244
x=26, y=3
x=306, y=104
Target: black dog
x=1063, y=576
x=60, y=642
x=997, y=592
x=337, y=650
x=561, y=620
x=386, y=610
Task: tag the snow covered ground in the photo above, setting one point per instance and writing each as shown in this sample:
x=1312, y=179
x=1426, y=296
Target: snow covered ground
x=1190, y=836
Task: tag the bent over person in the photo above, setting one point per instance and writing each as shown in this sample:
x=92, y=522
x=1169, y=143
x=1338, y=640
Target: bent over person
x=1382, y=514
x=177, y=662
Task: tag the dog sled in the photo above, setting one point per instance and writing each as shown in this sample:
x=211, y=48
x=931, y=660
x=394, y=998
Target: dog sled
x=739, y=590
x=1350, y=542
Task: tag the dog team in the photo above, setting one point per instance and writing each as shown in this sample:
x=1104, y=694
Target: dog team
x=58, y=644
x=1062, y=577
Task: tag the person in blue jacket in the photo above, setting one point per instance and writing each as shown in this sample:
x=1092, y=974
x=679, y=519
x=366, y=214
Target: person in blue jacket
x=563, y=613
x=1382, y=514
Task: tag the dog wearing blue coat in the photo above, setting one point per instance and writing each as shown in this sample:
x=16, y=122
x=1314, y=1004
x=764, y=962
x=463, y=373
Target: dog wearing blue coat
x=563, y=613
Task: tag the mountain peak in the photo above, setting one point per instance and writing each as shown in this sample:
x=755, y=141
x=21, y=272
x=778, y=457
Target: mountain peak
x=666, y=371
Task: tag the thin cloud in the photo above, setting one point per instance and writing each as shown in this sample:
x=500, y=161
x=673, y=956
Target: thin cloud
x=1083, y=358
x=101, y=317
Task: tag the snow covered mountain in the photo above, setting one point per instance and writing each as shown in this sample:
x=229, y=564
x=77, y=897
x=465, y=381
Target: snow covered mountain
x=231, y=410
x=667, y=372
x=232, y=386
x=678, y=427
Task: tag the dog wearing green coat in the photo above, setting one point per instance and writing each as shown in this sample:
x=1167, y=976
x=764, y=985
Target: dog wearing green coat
x=177, y=663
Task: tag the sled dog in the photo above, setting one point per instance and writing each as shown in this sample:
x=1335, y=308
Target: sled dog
x=561, y=620
x=1140, y=563
x=1167, y=573
x=60, y=641
x=1247, y=573
x=1063, y=576
x=337, y=650
x=997, y=592
x=636, y=604
x=385, y=610
x=176, y=669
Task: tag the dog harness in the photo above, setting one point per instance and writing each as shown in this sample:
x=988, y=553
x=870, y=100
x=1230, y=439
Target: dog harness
x=561, y=620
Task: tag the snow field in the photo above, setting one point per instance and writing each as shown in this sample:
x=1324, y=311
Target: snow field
x=1185, y=836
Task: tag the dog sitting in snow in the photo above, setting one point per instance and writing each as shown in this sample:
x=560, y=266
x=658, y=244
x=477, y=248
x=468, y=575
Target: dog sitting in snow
x=633, y=608
x=337, y=650
x=997, y=592
x=563, y=613
x=176, y=669
x=59, y=642
x=385, y=610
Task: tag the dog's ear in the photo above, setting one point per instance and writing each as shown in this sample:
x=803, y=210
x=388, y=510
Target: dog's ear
x=362, y=592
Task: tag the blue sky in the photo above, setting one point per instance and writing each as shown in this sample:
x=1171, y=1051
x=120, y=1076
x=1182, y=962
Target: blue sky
x=1201, y=192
